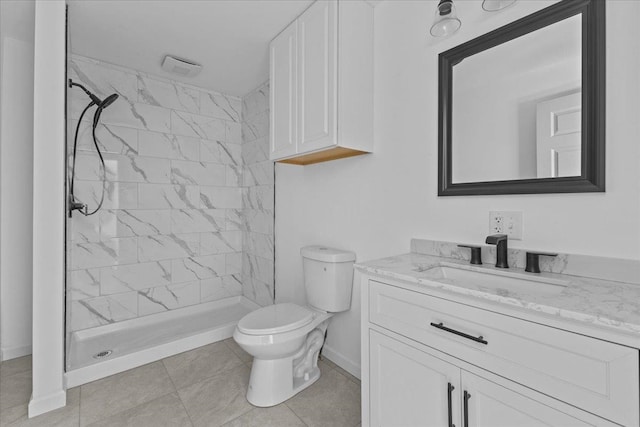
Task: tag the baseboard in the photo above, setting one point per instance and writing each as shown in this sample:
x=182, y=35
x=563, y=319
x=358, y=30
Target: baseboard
x=345, y=363
x=14, y=352
x=47, y=403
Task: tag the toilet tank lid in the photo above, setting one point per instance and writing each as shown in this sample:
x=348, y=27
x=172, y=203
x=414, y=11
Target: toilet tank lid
x=325, y=254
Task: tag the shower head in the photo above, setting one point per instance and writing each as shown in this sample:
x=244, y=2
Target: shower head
x=101, y=106
x=108, y=101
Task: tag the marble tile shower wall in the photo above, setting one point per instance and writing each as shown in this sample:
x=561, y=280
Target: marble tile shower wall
x=170, y=233
x=258, y=199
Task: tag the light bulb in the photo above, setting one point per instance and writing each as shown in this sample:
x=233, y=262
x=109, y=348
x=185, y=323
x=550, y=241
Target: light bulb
x=496, y=5
x=446, y=21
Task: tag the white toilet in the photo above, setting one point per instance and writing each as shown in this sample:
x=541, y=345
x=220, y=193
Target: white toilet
x=284, y=339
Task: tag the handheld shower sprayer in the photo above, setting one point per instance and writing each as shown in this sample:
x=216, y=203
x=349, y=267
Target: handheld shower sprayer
x=101, y=105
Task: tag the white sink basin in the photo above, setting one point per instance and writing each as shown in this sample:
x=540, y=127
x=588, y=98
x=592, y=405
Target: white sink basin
x=496, y=279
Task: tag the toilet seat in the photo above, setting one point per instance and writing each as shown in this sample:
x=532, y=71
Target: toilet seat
x=275, y=319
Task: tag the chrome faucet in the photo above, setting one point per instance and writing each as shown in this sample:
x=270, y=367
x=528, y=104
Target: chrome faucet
x=500, y=240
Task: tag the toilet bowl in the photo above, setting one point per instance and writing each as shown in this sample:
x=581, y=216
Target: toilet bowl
x=284, y=357
x=285, y=339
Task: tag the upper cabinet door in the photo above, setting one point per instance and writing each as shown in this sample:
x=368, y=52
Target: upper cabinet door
x=283, y=83
x=317, y=47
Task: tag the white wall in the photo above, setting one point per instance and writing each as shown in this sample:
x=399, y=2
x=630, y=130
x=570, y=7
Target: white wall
x=16, y=170
x=374, y=204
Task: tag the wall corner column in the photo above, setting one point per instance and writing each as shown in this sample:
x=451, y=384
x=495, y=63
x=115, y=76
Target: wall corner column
x=48, y=207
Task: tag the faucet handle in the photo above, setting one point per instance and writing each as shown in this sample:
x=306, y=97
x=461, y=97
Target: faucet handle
x=476, y=253
x=533, y=261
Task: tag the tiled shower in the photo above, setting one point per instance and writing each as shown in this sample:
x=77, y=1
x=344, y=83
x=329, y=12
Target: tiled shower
x=189, y=206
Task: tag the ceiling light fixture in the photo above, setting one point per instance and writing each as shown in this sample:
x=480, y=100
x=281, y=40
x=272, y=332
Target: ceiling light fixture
x=446, y=21
x=496, y=5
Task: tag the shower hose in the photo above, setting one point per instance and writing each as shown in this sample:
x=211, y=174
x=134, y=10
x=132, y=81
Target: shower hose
x=73, y=164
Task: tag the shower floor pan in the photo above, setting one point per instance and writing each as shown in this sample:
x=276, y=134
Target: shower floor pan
x=106, y=350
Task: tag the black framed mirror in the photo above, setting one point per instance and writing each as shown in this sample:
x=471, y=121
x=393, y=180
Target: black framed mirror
x=522, y=108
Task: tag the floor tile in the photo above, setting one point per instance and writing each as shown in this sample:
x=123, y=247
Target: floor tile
x=11, y=415
x=15, y=366
x=15, y=390
x=327, y=362
x=238, y=351
x=333, y=400
x=347, y=374
x=164, y=411
x=212, y=382
x=204, y=362
x=108, y=396
x=217, y=400
x=324, y=366
x=68, y=416
x=276, y=416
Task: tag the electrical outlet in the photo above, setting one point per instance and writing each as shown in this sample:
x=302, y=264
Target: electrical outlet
x=509, y=223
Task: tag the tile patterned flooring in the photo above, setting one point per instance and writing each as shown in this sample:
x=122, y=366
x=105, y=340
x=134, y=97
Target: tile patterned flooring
x=201, y=387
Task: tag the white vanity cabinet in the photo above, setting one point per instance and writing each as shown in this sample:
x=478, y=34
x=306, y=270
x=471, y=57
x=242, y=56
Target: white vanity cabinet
x=430, y=361
x=490, y=404
x=321, y=81
x=409, y=387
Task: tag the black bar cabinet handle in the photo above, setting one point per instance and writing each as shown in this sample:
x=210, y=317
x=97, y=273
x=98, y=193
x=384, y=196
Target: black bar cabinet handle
x=479, y=339
x=467, y=396
x=450, y=388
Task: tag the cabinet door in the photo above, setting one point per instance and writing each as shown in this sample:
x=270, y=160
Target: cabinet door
x=409, y=388
x=317, y=47
x=491, y=405
x=283, y=93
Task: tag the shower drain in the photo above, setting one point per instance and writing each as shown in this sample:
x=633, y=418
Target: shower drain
x=102, y=354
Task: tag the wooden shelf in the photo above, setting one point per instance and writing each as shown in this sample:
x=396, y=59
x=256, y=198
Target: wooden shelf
x=323, y=156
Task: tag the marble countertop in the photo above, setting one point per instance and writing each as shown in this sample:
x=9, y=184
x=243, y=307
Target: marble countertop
x=608, y=304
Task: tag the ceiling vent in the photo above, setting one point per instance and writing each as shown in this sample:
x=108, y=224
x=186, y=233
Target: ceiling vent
x=181, y=67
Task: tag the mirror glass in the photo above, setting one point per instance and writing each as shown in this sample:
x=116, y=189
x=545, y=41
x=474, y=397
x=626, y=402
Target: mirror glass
x=516, y=108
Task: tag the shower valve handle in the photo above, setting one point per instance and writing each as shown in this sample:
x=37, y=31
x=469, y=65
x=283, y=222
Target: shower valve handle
x=73, y=206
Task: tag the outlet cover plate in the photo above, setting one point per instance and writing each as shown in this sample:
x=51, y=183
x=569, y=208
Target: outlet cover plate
x=504, y=222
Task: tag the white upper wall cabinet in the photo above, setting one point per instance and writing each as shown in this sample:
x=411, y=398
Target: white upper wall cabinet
x=283, y=93
x=317, y=73
x=322, y=84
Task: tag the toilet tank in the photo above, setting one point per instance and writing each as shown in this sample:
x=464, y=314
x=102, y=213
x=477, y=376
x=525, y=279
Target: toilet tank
x=328, y=277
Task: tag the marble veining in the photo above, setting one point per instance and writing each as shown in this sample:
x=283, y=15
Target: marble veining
x=197, y=268
x=257, y=198
x=174, y=229
x=168, y=146
x=620, y=270
x=599, y=302
x=195, y=125
x=165, y=94
x=217, y=288
x=164, y=298
x=221, y=106
x=219, y=152
x=134, y=277
x=110, y=138
x=233, y=132
x=84, y=284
